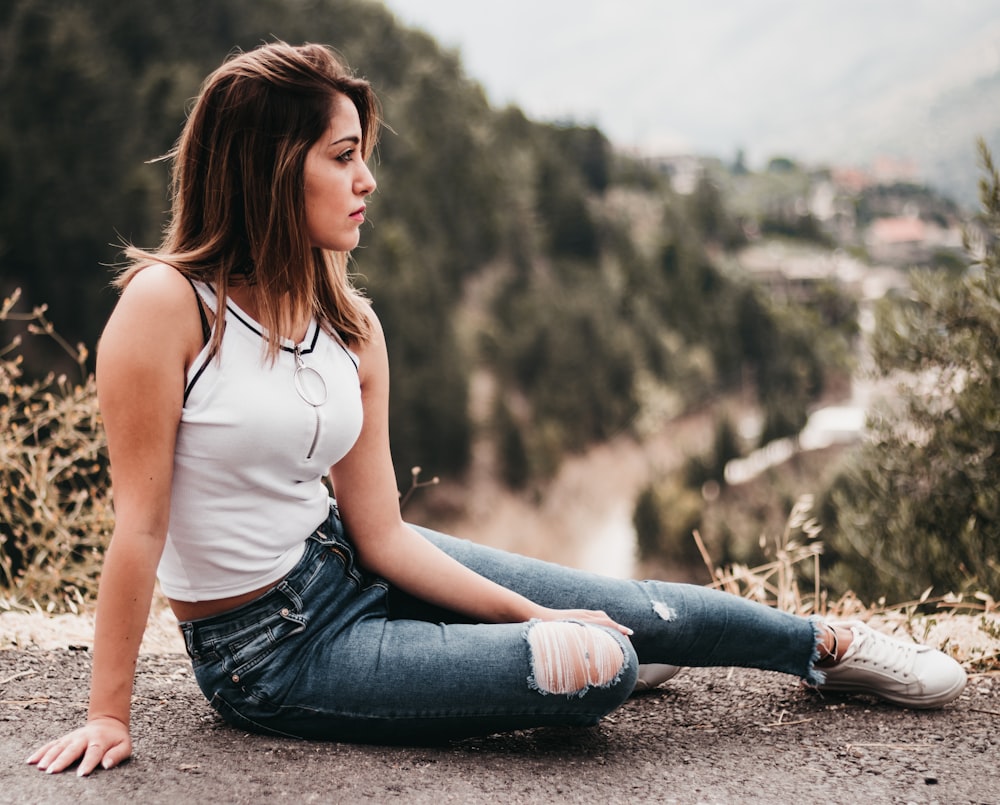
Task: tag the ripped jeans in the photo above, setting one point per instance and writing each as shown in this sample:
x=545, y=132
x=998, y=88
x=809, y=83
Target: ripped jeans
x=334, y=653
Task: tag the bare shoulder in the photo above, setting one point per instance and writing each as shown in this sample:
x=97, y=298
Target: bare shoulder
x=161, y=287
x=377, y=334
x=372, y=353
x=157, y=312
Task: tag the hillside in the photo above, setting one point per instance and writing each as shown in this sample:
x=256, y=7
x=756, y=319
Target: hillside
x=547, y=297
x=844, y=85
x=497, y=244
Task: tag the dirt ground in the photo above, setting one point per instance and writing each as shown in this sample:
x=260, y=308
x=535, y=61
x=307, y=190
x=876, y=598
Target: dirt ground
x=708, y=736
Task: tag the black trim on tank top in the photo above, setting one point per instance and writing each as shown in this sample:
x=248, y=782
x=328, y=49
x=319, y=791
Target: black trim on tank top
x=206, y=328
x=206, y=335
x=255, y=328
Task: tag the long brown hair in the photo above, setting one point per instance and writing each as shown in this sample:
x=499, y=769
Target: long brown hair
x=238, y=211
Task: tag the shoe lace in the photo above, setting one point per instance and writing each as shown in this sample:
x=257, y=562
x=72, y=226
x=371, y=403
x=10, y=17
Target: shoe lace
x=877, y=649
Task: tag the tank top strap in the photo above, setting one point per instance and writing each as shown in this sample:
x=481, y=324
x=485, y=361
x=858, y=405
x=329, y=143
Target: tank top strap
x=206, y=328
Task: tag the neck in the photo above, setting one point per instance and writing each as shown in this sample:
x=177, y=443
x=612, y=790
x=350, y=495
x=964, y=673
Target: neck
x=244, y=296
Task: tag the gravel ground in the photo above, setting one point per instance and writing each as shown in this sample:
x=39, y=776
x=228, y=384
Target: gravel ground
x=709, y=736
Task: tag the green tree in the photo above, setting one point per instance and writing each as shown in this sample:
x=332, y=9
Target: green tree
x=919, y=506
x=698, y=470
x=514, y=460
x=665, y=516
x=486, y=223
x=710, y=213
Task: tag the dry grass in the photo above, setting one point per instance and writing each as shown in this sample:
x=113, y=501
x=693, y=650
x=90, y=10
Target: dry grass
x=966, y=628
x=55, y=502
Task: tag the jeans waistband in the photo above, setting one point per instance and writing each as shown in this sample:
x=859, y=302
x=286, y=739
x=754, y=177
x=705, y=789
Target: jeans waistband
x=290, y=588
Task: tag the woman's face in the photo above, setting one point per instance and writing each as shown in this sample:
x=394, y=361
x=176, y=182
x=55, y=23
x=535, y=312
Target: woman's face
x=337, y=181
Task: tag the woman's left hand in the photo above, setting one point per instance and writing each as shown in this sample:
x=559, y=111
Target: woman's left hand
x=595, y=616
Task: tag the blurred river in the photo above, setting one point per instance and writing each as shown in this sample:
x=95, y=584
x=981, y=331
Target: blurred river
x=584, y=518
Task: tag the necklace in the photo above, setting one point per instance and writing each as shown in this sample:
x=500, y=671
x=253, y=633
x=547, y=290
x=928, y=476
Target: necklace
x=311, y=387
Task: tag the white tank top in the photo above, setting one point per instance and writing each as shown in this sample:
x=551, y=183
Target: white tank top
x=251, y=456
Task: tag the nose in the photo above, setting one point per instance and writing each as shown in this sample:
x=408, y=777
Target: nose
x=365, y=183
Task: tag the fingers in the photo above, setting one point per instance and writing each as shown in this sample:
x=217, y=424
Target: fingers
x=60, y=755
x=116, y=754
x=599, y=617
x=92, y=757
x=56, y=756
x=84, y=746
x=617, y=626
x=39, y=753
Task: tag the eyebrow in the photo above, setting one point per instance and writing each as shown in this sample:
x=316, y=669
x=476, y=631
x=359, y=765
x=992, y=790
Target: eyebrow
x=353, y=138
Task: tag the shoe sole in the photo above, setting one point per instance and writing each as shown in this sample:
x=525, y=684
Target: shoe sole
x=642, y=685
x=921, y=703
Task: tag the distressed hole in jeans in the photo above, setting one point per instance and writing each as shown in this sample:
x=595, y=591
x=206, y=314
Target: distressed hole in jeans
x=570, y=657
x=664, y=611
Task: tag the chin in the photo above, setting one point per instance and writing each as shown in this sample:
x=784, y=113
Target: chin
x=345, y=245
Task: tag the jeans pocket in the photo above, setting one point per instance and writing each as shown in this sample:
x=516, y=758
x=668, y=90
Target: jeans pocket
x=243, y=652
x=362, y=579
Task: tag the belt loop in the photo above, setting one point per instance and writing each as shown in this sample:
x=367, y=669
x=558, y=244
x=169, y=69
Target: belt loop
x=187, y=632
x=286, y=590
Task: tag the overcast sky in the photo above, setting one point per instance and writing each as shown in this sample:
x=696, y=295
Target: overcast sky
x=809, y=79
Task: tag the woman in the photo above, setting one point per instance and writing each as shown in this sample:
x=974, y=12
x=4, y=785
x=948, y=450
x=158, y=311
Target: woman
x=240, y=367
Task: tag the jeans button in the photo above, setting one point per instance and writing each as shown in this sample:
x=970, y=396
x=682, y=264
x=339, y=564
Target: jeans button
x=236, y=677
x=284, y=612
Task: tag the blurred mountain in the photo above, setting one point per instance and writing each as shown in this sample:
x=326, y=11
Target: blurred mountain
x=928, y=120
x=941, y=141
x=840, y=83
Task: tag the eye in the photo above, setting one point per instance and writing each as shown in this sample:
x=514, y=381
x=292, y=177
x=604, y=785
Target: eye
x=346, y=156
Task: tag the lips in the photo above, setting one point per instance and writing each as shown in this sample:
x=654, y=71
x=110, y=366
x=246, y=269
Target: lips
x=358, y=214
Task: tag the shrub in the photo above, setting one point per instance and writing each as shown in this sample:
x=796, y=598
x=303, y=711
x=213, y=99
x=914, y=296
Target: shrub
x=920, y=506
x=699, y=470
x=55, y=500
x=665, y=516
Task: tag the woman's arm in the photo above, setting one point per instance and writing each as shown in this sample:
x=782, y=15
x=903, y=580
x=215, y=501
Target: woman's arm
x=368, y=500
x=150, y=339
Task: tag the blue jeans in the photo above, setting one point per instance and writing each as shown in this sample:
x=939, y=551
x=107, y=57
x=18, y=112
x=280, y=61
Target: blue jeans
x=335, y=653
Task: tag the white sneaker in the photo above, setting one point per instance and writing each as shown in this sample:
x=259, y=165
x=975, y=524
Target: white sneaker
x=653, y=675
x=907, y=674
